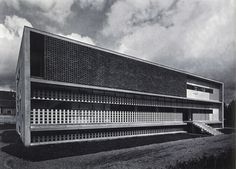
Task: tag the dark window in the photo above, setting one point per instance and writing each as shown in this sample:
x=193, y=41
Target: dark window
x=197, y=88
x=36, y=54
x=146, y=109
x=190, y=87
x=201, y=89
x=122, y=108
x=209, y=90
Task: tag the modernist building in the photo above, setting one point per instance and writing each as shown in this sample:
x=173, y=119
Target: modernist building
x=7, y=107
x=70, y=91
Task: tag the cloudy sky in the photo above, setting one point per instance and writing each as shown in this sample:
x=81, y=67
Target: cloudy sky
x=198, y=36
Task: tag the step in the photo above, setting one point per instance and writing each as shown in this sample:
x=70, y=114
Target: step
x=207, y=128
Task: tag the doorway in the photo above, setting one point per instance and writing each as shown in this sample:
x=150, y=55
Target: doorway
x=187, y=115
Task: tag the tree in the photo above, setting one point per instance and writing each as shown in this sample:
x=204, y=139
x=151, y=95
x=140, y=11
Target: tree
x=229, y=114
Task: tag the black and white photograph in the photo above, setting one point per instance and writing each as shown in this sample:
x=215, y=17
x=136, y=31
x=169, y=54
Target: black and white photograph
x=116, y=84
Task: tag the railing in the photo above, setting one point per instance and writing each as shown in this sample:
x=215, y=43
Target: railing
x=41, y=94
x=92, y=135
x=51, y=116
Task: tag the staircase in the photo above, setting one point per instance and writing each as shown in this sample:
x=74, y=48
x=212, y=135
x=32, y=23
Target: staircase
x=203, y=126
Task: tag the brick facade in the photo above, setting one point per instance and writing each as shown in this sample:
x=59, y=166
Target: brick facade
x=74, y=63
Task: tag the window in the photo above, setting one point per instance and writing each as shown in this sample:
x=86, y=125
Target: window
x=198, y=88
x=209, y=90
x=36, y=54
x=9, y=112
x=190, y=87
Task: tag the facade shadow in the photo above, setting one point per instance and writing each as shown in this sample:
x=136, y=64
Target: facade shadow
x=55, y=151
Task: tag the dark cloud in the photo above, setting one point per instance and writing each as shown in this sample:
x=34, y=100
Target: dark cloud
x=88, y=20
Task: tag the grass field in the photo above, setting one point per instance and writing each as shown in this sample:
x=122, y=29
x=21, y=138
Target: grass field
x=147, y=152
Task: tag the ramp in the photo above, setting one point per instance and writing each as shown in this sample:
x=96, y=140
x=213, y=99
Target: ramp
x=203, y=126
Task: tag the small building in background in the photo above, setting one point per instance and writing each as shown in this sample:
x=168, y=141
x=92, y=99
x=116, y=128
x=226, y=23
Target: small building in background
x=7, y=107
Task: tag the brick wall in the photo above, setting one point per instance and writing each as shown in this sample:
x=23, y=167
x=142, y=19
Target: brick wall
x=74, y=63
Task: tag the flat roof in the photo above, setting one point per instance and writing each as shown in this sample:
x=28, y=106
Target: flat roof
x=119, y=54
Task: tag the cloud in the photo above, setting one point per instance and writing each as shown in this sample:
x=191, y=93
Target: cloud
x=10, y=37
x=178, y=28
x=92, y=4
x=127, y=16
x=44, y=5
x=14, y=25
x=80, y=38
x=197, y=36
x=59, y=11
x=51, y=9
x=41, y=4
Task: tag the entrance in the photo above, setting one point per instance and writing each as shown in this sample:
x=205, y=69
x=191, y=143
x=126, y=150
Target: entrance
x=187, y=115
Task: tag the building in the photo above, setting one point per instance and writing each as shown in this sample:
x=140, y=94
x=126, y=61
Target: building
x=7, y=107
x=70, y=91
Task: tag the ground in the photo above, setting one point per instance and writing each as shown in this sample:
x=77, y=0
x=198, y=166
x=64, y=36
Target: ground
x=157, y=154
